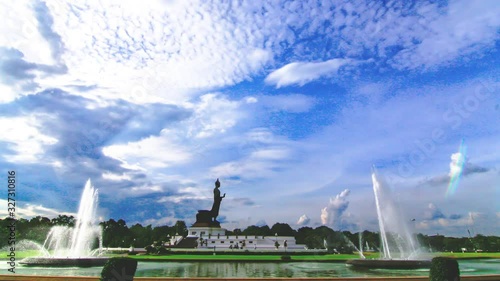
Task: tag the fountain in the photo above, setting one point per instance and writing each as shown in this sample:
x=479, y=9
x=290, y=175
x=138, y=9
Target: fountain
x=72, y=246
x=399, y=249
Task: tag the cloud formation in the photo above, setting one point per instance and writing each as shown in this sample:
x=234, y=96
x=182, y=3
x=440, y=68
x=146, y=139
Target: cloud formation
x=435, y=219
x=45, y=27
x=303, y=220
x=331, y=215
x=301, y=73
x=457, y=164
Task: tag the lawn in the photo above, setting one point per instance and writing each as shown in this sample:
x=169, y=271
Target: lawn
x=20, y=254
x=242, y=257
x=469, y=255
x=318, y=258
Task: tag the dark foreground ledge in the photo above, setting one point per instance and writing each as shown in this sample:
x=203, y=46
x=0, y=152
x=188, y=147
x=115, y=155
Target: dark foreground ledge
x=64, y=262
x=16, y=277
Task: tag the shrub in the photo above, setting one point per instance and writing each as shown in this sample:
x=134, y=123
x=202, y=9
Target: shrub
x=149, y=249
x=119, y=268
x=286, y=258
x=444, y=269
x=162, y=251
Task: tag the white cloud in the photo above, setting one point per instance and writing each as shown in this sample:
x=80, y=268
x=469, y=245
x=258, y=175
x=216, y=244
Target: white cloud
x=261, y=154
x=167, y=51
x=24, y=137
x=303, y=220
x=180, y=198
x=331, y=214
x=251, y=100
x=244, y=169
x=214, y=114
x=271, y=153
x=304, y=72
x=463, y=29
x=151, y=152
x=8, y=94
x=142, y=190
x=20, y=31
x=441, y=223
x=164, y=51
x=115, y=177
x=433, y=212
x=33, y=210
x=456, y=164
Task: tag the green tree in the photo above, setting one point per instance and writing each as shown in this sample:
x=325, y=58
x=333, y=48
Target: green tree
x=436, y=242
x=482, y=242
x=64, y=220
x=283, y=229
x=302, y=233
x=163, y=233
x=141, y=235
x=314, y=241
x=38, y=227
x=254, y=230
x=181, y=228
x=116, y=234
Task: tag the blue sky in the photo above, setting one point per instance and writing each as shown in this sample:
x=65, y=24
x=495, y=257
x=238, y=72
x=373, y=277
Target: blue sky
x=289, y=103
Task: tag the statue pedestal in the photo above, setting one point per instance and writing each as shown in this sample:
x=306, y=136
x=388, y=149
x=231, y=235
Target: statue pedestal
x=200, y=231
x=204, y=225
x=204, y=219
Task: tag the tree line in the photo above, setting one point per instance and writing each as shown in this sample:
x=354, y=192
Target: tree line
x=116, y=233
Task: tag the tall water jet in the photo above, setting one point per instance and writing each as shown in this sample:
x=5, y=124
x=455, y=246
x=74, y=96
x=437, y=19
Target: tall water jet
x=86, y=229
x=399, y=249
x=75, y=245
x=395, y=232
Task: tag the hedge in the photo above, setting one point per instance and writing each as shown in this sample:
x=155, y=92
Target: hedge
x=444, y=269
x=119, y=269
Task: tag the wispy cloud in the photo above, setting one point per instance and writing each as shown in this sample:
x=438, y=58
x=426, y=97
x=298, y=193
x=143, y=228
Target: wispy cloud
x=301, y=73
x=461, y=29
x=436, y=220
x=33, y=210
x=45, y=27
x=25, y=140
x=294, y=103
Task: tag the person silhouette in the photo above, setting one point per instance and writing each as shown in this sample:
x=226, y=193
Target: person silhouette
x=217, y=200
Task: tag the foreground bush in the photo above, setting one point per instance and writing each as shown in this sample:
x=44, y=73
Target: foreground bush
x=119, y=269
x=444, y=269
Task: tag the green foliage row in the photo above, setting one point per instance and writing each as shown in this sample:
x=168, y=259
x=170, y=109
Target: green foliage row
x=35, y=229
x=118, y=234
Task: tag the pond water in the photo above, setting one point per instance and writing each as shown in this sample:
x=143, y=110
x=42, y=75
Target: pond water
x=252, y=269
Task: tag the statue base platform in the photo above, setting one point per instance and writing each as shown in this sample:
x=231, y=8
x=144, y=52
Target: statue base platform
x=204, y=219
x=204, y=232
